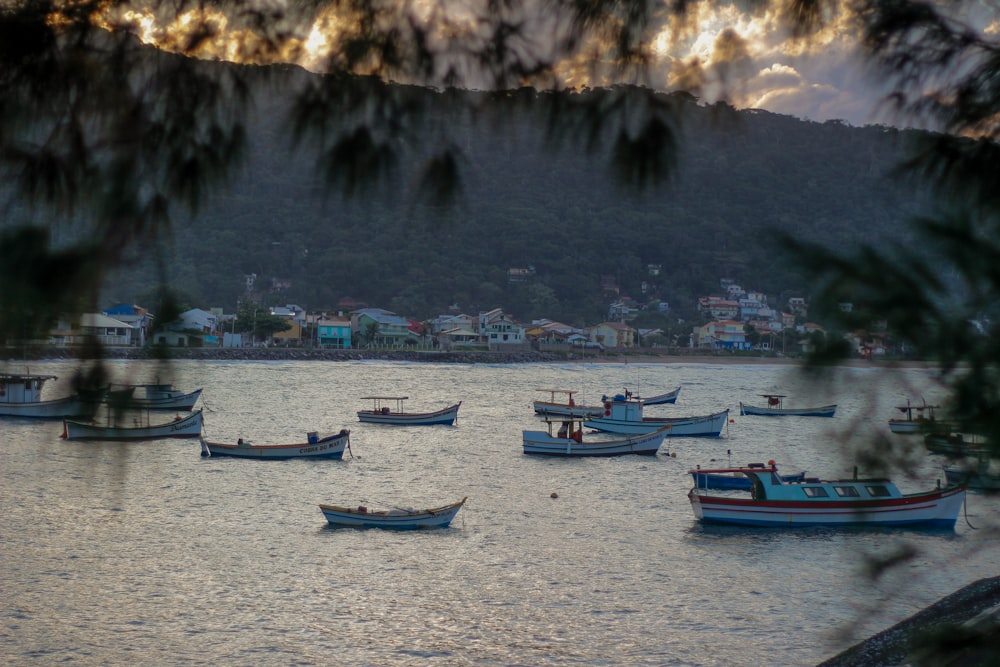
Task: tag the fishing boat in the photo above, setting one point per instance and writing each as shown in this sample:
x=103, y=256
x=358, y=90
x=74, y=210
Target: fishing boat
x=980, y=476
x=570, y=440
x=154, y=397
x=397, y=518
x=773, y=501
x=729, y=480
x=21, y=396
x=315, y=447
x=775, y=408
x=562, y=404
x=382, y=413
x=660, y=399
x=918, y=419
x=180, y=427
x=955, y=444
x=625, y=415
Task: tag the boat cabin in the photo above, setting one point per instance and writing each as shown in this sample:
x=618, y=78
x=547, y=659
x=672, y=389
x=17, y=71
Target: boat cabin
x=570, y=428
x=379, y=403
x=19, y=388
x=767, y=484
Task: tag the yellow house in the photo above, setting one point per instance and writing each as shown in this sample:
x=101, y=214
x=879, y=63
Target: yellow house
x=614, y=335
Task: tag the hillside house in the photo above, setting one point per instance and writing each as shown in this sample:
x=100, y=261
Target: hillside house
x=614, y=335
x=721, y=335
x=503, y=332
x=333, y=332
x=382, y=328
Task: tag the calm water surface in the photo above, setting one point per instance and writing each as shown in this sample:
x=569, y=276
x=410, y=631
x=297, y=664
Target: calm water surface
x=146, y=553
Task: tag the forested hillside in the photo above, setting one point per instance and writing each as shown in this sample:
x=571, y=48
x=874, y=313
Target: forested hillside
x=527, y=202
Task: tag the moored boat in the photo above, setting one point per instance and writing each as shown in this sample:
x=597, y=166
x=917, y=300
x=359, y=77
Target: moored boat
x=660, y=399
x=315, y=447
x=918, y=419
x=181, y=427
x=955, y=444
x=21, y=396
x=981, y=476
x=571, y=441
x=396, y=518
x=773, y=501
x=562, y=404
x=625, y=415
x=731, y=480
x=776, y=408
x=382, y=413
x=154, y=397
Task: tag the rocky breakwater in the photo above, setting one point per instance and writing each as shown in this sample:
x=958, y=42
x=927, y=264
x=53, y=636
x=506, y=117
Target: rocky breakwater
x=303, y=354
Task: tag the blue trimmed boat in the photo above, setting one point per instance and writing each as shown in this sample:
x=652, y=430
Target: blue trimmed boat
x=775, y=502
x=397, y=518
x=710, y=480
x=382, y=413
x=570, y=441
x=625, y=415
x=775, y=408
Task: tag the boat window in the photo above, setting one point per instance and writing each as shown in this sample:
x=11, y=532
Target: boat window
x=815, y=491
x=877, y=491
x=846, y=491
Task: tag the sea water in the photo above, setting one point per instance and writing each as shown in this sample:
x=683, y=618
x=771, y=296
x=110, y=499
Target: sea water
x=147, y=553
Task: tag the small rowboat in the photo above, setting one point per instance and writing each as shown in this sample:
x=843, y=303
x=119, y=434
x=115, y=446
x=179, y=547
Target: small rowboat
x=661, y=399
x=155, y=397
x=775, y=408
x=773, y=501
x=383, y=414
x=570, y=441
x=316, y=447
x=396, y=518
x=181, y=427
x=556, y=406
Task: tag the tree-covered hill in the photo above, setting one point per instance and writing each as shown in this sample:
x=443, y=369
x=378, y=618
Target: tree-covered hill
x=740, y=179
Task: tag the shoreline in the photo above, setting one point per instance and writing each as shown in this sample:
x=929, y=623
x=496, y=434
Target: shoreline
x=455, y=356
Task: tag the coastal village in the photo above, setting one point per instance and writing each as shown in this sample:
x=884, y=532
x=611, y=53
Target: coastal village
x=734, y=320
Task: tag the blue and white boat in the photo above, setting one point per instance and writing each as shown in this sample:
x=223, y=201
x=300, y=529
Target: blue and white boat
x=775, y=502
x=571, y=441
x=382, y=413
x=775, y=408
x=730, y=480
x=625, y=415
x=397, y=518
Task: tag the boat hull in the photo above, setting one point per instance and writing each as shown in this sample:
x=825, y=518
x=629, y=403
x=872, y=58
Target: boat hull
x=57, y=409
x=344, y=517
x=709, y=426
x=662, y=399
x=937, y=509
x=188, y=427
x=445, y=416
x=540, y=442
x=824, y=411
x=180, y=402
x=330, y=447
x=563, y=410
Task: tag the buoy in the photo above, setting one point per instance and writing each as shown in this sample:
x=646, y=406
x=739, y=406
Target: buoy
x=553, y=495
x=732, y=421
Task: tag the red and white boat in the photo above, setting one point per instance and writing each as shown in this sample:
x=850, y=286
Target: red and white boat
x=773, y=501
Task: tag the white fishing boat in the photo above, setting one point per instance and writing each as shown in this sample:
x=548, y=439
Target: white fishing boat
x=562, y=403
x=625, y=415
x=21, y=396
x=154, y=397
x=138, y=428
x=570, y=440
x=316, y=446
x=383, y=413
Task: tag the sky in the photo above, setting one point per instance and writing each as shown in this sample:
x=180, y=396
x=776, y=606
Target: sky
x=738, y=52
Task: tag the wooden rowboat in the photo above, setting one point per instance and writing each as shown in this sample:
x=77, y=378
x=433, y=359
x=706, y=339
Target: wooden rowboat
x=396, y=518
x=381, y=413
x=180, y=427
x=316, y=447
x=775, y=408
x=570, y=441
